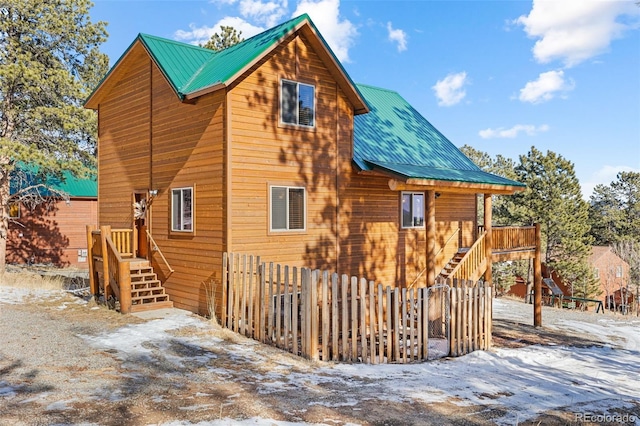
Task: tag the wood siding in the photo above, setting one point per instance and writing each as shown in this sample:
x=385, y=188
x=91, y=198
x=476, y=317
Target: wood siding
x=376, y=246
x=52, y=234
x=266, y=152
x=151, y=140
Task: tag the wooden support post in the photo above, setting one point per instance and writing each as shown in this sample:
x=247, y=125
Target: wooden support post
x=93, y=285
x=488, y=237
x=430, y=218
x=537, y=281
x=124, y=281
x=104, y=232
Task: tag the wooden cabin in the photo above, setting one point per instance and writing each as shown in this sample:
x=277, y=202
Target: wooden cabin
x=269, y=148
x=52, y=232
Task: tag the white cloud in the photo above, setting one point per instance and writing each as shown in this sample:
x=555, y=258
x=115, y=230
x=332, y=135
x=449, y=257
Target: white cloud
x=200, y=35
x=450, y=90
x=268, y=13
x=576, y=30
x=546, y=87
x=604, y=176
x=513, y=132
x=339, y=34
x=397, y=36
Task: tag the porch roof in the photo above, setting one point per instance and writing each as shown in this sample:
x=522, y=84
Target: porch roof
x=396, y=140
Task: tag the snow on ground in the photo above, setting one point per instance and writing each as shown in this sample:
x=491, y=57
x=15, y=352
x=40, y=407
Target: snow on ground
x=524, y=382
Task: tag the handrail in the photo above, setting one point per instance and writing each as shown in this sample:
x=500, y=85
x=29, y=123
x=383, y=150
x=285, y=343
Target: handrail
x=171, y=270
x=510, y=238
x=471, y=260
x=118, y=274
x=455, y=233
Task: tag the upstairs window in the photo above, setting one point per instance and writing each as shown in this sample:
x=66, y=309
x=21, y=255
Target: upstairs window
x=596, y=273
x=287, y=208
x=412, y=209
x=182, y=209
x=297, y=103
x=619, y=271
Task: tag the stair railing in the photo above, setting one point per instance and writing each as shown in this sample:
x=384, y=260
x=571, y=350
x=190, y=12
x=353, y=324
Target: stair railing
x=456, y=233
x=157, y=248
x=472, y=264
x=117, y=276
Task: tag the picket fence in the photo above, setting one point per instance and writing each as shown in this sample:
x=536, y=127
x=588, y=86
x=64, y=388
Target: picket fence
x=324, y=316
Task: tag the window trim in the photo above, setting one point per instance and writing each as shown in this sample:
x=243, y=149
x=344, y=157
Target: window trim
x=412, y=193
x=619, y=271
x=304, y=207
x=193, y=221
x=281, y=110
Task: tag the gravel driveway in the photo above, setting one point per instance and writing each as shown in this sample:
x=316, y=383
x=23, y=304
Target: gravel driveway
x=66, y=361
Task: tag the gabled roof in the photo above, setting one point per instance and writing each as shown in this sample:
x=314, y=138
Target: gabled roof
x=69, y=184
x=395, y=139
x=194, y=71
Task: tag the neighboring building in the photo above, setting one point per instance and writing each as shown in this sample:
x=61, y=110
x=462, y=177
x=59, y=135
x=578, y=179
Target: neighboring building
x=53, y=232
x=610, y=270
x=269, y=148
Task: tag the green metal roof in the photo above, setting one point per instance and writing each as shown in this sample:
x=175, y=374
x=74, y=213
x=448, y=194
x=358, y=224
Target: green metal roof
x=69, y=184
x=190, y=69
x=396, y=138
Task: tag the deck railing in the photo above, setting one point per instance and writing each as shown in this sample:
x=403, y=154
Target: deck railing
x=513, y=238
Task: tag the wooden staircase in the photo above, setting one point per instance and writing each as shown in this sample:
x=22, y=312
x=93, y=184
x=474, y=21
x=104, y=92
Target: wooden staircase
x=147, y=292
x=451, y=265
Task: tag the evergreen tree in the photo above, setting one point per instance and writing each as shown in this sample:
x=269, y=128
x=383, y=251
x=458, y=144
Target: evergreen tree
x=49, y=63
x=553, y=198
x=614, y=210
x=229, y=36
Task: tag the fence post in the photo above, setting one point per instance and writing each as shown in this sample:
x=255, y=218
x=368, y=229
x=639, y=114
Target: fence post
x=104, y=232
x=93, y=285
x=314, y=314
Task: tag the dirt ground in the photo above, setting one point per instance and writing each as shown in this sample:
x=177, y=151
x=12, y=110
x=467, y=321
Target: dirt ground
x=50, y=375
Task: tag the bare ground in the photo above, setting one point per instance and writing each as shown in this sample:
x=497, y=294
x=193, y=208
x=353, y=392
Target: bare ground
x=50, y=375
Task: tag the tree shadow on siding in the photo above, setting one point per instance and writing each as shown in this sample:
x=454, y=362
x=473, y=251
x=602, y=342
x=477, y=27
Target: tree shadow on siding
x=37, y=239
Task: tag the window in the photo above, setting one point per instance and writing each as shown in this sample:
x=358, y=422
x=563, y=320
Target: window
x=297, y=103
x=287, y=208
x=14, y=211
x=619, y=272
x=412, y=209
x=596, y=273
x=182, y=209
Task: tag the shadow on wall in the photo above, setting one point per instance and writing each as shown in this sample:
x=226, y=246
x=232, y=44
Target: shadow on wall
x=36, y=238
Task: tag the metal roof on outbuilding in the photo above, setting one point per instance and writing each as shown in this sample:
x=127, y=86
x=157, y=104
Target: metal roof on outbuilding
x=69, y=184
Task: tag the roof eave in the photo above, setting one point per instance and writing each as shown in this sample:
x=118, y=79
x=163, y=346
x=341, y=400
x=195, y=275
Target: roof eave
x=413, y=184
x=93, y=101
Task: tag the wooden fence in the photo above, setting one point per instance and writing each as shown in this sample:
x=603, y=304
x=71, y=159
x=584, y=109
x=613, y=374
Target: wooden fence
x=324, y=316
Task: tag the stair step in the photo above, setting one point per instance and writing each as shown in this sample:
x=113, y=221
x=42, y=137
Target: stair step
x=147, y=291
x=150, y=299
x=139, y=285
x=147, y=276
x=151, y=306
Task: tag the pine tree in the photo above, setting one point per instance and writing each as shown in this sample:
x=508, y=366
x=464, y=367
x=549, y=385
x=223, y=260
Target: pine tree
x=229, y=37
x=49, y=63
x=553, y=198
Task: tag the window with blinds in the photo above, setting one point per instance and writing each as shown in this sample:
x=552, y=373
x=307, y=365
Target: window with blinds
x=182, y=209
x=412, y=209
x=297, y=103
x=287, y=208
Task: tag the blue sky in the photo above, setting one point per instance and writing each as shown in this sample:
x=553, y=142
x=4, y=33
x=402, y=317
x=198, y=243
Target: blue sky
x=501, y=76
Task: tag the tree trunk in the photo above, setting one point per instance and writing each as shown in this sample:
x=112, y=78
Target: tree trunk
x=4, y=212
